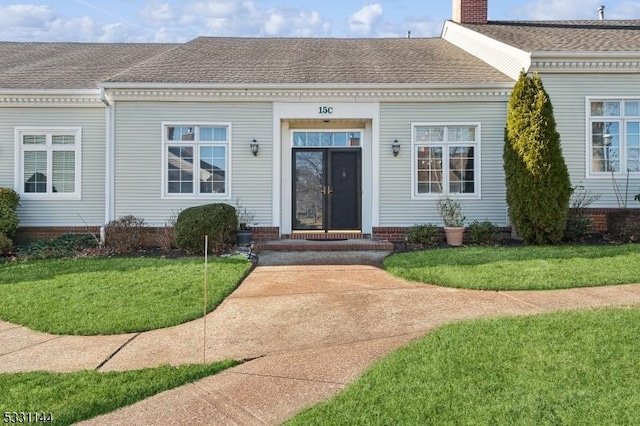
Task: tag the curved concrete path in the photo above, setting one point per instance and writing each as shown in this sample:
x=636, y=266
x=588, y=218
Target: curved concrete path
x=309, y=330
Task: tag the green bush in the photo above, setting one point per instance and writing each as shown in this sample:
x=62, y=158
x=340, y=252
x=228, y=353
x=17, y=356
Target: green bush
x=9, y=202
x=124, y=234
x=218, y=221
x=424, y=235
x=536, y=176
x=5, y=244
x=67, y=245
x=484, y=233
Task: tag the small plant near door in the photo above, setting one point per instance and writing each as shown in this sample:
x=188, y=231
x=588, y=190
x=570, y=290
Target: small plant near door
x=244, y=234
x=451, y=213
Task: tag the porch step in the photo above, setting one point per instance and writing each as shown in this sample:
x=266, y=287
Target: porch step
x=295, y=244
x=329, y=236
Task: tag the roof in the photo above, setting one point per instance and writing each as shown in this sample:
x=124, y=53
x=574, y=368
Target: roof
x=578, y=36
x=222, y=60
x=68, y=66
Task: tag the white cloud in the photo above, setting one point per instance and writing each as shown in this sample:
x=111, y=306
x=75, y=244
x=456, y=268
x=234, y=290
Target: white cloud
x=156, y=13
x=549, y=10
x=274, y=25
x=362, y=21
x=25, y=15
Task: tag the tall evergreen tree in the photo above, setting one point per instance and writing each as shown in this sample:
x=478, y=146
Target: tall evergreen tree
x=536, y=176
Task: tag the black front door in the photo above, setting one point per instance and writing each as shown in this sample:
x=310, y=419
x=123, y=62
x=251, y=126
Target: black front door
x=326, y=189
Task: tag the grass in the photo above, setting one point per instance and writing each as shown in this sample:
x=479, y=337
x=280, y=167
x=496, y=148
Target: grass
x=73, y=397
x=562, y=368
x=94, y=296
x=520, y=268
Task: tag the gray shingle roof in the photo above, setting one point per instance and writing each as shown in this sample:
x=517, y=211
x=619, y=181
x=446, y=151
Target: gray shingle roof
x=579, y=36
x=68, y=65
x=313, y=60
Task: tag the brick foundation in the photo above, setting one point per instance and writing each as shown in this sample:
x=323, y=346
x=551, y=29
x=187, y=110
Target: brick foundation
x=34, y=233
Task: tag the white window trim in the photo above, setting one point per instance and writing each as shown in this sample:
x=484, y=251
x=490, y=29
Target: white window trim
x=477, y=166
x=164, y=184
x=19, y=163
x=589, y=173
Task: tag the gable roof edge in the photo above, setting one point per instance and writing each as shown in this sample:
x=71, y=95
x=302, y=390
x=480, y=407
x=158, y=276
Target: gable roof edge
x=503, y=57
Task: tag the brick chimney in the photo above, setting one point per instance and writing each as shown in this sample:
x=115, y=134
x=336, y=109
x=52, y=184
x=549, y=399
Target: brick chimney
x=470, y=11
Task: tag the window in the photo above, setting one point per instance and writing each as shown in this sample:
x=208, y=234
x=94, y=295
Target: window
x=324, y=138
x=48, y=163
x=195, y=159
x=445, y=159
x=614, y=136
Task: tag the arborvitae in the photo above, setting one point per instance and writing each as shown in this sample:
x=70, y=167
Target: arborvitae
x=536, y=176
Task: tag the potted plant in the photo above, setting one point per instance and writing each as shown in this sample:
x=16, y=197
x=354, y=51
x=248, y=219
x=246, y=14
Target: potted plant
x=244, y=234
x=451, y=214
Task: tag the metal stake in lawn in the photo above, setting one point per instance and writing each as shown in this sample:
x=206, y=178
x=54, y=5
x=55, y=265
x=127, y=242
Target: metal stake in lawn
x=206, y=281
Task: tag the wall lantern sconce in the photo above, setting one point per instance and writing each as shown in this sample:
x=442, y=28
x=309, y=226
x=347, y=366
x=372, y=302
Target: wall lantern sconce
x=395, y=148
x=254, y=147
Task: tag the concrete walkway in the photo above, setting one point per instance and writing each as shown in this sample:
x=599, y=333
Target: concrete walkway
x=309, y=330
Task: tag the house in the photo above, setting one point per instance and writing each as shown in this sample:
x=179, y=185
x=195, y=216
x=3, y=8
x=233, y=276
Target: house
x=353, y=136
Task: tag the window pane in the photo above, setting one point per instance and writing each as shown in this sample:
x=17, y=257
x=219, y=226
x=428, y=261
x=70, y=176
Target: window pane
x=429, y=169
x=632, y=108
x=605, y=146
x=212, y=169
x=633, y=146
x=429, y=134
x=299, y=139
x=34, y=139
x=605, y=109
x=462, y=134
x=63, y=139
x=461, y=169
x=180, y=170
x=185, y=133
x=354, y=139
x=35, y=171
x=64, y=171
x=213, y=134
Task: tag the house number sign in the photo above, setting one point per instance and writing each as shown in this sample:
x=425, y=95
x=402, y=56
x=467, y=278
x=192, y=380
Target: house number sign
x=325, y=110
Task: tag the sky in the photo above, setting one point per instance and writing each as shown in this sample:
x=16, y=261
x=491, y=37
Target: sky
x=182, y=20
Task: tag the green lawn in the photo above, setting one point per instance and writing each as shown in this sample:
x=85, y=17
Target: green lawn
x=113, y=295
x=520, y=268
x=73, y=397
x=563, y=368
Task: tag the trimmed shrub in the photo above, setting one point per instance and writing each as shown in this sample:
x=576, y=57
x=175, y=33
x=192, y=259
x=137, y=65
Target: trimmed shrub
x=484, y=233
x=5, y=244
x=219, y=221
x=124, y=234
x=536, y=176
x=425, y=235
x=9, y=202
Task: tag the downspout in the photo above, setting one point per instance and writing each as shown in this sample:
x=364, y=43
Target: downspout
x=109, y=162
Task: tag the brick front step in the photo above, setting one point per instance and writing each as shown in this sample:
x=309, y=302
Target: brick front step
x=328, y=236
x=322, y=245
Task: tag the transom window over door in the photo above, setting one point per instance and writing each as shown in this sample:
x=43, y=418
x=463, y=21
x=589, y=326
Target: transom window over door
x=196, y=159
x=49, y=163
x=614, y=136
x=445, y=159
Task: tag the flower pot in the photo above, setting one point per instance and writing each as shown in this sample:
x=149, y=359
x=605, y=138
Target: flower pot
x=243, y=237
x=454, y=235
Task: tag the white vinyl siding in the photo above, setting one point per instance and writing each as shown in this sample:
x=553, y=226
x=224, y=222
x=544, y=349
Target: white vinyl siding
x=88, y=208
x=48, y=163
x=400, y=205
x=571, y=95
x=139, y=177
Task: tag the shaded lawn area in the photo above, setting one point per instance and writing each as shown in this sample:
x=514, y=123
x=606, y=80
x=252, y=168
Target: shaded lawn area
x=94, y=296
x=562, y=368
x=72, y=397
x=520, y=268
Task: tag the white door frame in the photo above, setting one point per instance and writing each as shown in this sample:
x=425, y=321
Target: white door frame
x=282, y=145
